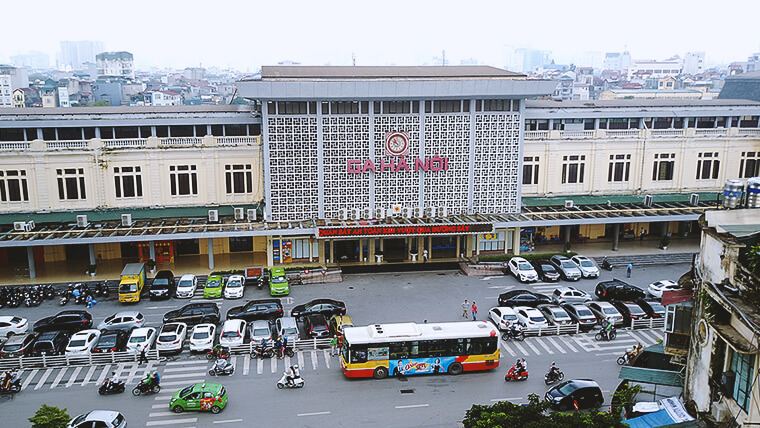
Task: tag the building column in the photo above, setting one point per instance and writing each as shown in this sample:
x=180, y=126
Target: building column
x=477, y=244
x=321, y=251
x=615, y=236
x=210, y=253
x=30, y=257
x=420, y=247
x=459, y=246
x=270, y=252
x=91, y=249
x=516, y=241
x=361, y=250
x=567, y=235
x=506, y=240
x=281, y=255
x=372, y=244
x=152, y=246
x=332, y=251
x=430, y=247
x=468, y=245
x=311, y=250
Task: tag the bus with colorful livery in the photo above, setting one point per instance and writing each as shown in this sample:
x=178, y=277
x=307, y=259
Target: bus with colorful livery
x=401, y=349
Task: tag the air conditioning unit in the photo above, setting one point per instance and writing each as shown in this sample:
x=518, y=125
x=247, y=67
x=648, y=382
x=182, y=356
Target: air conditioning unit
x=443, y=211
x=354, y=213
x=648, y=199
x=82, y=221
x=407, y=212
x=19, y=226
x=429, y=212
x=569, y=204
x=381, y=213
x=239, y=214
x=694, y=199
x=250, y=214
x=343, y=214
x=213, y=216
x=366, y=213
x=126, y=220
x=417, y=212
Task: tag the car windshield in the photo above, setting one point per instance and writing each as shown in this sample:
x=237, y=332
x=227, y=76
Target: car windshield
x=611, y=311
x=137, y=339
x=234, y=284
x=525, y=266
x=185, y=284
x=560, y=314
x=537, y=319
x=319, y=327
x=635, y=310
x=186, y=391
x=118, y=420
x=212, y=284
x=585, y=313
x=567, y=389
x=127, y=288
x=230, y=334
x=568, y=264
x=259, y=332
x=167, y=338
x=161, y=281
x=109, y=340
x=290, y=331
x=279, y=280
x=548, y=268
x=77, y=343
x=657, y=307
x=587, y=263
x=201, y=335
x=12, y=347
x=510, y=317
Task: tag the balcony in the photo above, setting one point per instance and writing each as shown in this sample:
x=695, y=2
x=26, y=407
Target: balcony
x=641, y=133
x=130, y=143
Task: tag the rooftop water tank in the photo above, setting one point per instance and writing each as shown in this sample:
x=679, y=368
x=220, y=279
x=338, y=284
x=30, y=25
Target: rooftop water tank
x=753, y=192
x=732, y=193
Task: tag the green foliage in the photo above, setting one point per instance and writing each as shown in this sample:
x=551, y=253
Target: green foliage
x=753, y=259
x=50, y=417
x=505, y=414
x=624, y=396
x=531, y=256
x=92, y=269
x=101, y=103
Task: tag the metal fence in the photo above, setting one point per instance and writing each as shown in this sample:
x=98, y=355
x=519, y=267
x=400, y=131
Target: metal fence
x=76, y=360
x=553, y=330
x=648, y=323
x=299, y=345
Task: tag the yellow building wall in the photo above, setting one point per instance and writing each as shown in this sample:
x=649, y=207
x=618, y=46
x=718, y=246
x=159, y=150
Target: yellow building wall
x=260, y=243
x=108, y=251
x=221, y=246
x=592, y=231
x=55, y=253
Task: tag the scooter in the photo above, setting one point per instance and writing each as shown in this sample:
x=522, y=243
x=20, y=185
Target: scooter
x=606, y=265
x=611, y=335
x=553, y=376
x=217, y=371
x=143, y=388
x=212, y=354
x=513, y=374
x=516, y=334
x=258, y=352
x=625, y=359
x=14, y=387
x=112, y=388
x=293, y=383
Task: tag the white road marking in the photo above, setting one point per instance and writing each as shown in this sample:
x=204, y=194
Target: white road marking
x=59, y=377
x=540, y=342
x=183, y=375
x=160, y=307
x=88, y=376
x=532, y=347
x=73, y=377
x=185, y=369
x=228, y=421
x=569, y=345
x=259, y=365
x=29, y=379
x=314, y=359
x=163, y=397
x=161, y=414
x=640, y=338
x=158, y=406
x=507, y=348
x=273, y=364
x=171, y=422
x=185, y=362
x=287, y=362
x=43, y=379
x=556, y=345
x=520, y=348
x=412, y=406
x=327, y=358
x=183, y=382
x=313, y=414
x=300, y=359
x=246, y=366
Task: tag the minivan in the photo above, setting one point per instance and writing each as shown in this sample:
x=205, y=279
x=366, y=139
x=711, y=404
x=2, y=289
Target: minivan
x=585, y=392
x=162, y=286
x=50, y=343
x=278, y=282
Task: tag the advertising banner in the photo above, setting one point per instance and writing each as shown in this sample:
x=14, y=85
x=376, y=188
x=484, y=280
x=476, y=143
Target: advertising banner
x=420, y=366
x=403, y=230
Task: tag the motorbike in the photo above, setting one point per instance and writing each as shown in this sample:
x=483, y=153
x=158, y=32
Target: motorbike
x=258, y=352
x=143, y=388
x=611, y=335
x=14, y=387
x=216, y=370
x=626, y=358
x=553, y=376
x=261, y=282
x=293, y=383
x=213, y=355
x=606, y=265
x=513, y=334
x=513, y=374
x=49, y=291
x=112, y=388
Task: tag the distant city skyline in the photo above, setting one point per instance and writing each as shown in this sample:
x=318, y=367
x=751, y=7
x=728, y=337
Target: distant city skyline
x=246, y=35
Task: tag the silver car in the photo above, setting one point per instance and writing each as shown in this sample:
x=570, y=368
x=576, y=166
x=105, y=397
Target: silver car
x=586, y=265
x=555, y=315
x=569, y=295
x=125, y=320
x=261, y=329
x=566, y=267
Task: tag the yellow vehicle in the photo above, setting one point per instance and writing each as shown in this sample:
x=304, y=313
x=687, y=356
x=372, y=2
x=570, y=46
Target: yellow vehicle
x=337, y=322
x=132, y=282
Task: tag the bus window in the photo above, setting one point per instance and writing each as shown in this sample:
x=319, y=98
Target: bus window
x=436, y=348
x=489, y=345
x=359, y=354
x=399, y=350
x=475, y=346
x=415, y=350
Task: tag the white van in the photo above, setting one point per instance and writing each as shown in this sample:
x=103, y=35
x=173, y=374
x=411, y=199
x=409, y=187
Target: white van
x=287, y=327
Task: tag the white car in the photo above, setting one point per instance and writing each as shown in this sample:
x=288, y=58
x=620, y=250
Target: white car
x=186, y=286
x=235, y=287
x=522, y=270
x=531, y=317
x=655, y=289
x=171, y=338
x=233, y=333
x=82, y=342
x=99, y=418
x=202, y=337
x=140, y=338
x=502, y=316
x=10, y=325
x=586, y=265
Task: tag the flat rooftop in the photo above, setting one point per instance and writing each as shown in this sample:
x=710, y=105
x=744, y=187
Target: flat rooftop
x=298, y=72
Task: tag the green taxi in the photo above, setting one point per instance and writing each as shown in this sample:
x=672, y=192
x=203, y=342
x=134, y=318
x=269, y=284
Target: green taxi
x=213, y=288
x=278, y=282
x=205, y=397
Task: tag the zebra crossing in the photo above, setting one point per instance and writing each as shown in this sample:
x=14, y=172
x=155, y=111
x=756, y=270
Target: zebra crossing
x=577, y=343
x=79, y=376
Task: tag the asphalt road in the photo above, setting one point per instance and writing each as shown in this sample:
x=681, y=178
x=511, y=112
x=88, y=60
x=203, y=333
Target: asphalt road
x=330, y=399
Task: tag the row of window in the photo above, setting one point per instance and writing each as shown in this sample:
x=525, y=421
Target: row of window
x=389, y=107
x=110, y=132
x=646, y=123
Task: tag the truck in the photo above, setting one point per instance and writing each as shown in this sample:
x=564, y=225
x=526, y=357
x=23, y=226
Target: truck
x=132, y=282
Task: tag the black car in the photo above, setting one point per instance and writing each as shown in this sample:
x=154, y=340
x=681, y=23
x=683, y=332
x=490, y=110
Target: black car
x=522, y=298
x=580, y=314
x=316, y=326
x=260, y=309
x=546, y=271
x=326, y=307
x=585, y=392
x=616, y=289
x=194, y=313
x=112, y=341
x=71, y=321
x=629, y=311
x=17, y=346
x=50, y=343
x=652, y=308
x=163, y=285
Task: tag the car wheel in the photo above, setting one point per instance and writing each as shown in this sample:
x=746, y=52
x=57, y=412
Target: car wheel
x=177, y=409
x=598, y=403
x=455, y=369
x=215, y=409
x=380, y=373
x=563, y=407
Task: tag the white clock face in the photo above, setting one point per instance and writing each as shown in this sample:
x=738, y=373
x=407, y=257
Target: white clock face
x=396, y=143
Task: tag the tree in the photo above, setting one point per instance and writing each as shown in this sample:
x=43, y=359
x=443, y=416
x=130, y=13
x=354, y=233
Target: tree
x=50, y=417
x=753, y=259
x=101, y=103
x=505, y=414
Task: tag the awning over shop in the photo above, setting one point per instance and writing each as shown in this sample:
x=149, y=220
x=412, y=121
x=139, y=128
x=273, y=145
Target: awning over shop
x=735, y=339
x=652, y=376
x=673, y=414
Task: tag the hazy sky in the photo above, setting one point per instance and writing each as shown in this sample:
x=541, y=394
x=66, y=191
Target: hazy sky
x=247, y=34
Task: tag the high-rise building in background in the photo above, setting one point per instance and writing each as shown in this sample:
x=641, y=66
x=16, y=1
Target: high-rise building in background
x=694, y=63
x=617, y=61
x=526, y=60
x=34, y=59
x=74, y=54
x=11, y=78
x=115, y=64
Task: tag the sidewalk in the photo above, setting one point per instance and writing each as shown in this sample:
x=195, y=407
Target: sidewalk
x=625, y=248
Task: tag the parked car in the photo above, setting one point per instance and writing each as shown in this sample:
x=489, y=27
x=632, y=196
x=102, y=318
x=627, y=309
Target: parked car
x=202, y=337
x=567, y=269
x=316, y=326
x=186, y=287
x=10, y=325
x=278, y=282
x=163, y=286
x=555, y=315
x=141, y=338
x=652, y=308
x=604, y=310
x=260, y=309
x=171, y=338
x=261, y=329
x=287, y=327
x=522, y=270
x=586, y=265
x=326, y=307
x=502, y=316
x=194, y=313
x=656, y=288
x=545, y=270
x=190, y=398
x=213, y=288
x=111, y=341
x=99, y=419
x=337, y=322
x=585, y=392
x=616, y=289
x=17, y=346
x=531, y=317
x=72, y=321
x=50, y=343
x=580, y=314
x=522, y=298
x=569, y=295
x=235, y=287
x=125, y=320
x=233, y=333
x=82, y=342
x=629, y=310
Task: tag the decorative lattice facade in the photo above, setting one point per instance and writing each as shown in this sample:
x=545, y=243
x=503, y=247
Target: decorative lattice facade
x=497, y=162
x=345, y=137
x=396, y=188
x=448, y=136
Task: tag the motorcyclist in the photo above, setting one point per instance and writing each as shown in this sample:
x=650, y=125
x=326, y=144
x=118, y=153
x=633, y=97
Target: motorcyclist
x=515, y=328
x=156, y=379
x=112, y=381
x=292, y=374
x=6, y=379
x=221, y=364
x=553, y=371
x=519, y=367
x=608, y=328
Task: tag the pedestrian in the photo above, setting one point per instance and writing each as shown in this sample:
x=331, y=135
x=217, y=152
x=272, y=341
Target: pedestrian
x=628, y=270
x=424, y=255
x=278, y=347
x=465, y=309
x=333, y=345
x=474, y=311
x=89, y=301
x=143, y=358
x=641, y=236
x=284, y=344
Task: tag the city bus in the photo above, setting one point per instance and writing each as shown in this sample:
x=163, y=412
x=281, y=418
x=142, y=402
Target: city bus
x=400, y=349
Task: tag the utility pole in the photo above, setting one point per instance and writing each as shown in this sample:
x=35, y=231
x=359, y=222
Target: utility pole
x=443, y=57
x=353, y=58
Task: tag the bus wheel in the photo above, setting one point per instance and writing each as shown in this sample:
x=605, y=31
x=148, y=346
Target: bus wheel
x=380, y=373
x=455, y=369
